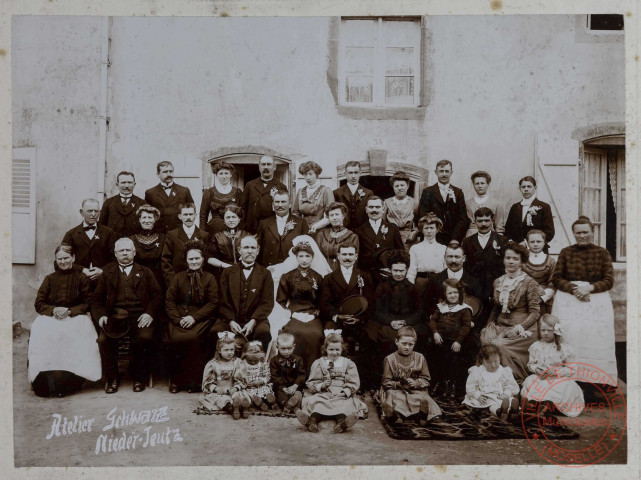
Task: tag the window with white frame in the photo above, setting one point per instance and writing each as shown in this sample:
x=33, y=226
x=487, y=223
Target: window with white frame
x=603, y=192
x=379, y=64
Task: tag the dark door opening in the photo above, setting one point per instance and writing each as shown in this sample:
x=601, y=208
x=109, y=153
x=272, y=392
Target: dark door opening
x=380, y=185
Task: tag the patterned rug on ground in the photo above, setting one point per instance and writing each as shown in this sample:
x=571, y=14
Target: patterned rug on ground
x=459, y=422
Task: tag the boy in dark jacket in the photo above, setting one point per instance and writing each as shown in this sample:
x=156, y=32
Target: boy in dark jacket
x=288, y=373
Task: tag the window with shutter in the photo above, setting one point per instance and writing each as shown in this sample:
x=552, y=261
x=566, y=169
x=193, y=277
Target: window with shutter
x=23, y=206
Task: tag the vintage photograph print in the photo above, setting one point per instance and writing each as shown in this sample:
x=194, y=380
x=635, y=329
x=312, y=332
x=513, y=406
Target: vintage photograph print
x=254, y=241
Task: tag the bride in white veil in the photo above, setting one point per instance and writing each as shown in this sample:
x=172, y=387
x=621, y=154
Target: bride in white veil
x=280, y=316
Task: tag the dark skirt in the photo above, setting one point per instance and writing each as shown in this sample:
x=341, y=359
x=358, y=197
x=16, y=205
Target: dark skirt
x=188, y=350
x=56, y=383
x=309, y=338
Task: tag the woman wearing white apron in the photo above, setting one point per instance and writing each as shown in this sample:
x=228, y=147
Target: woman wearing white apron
x=62, y=346
x=583, y=275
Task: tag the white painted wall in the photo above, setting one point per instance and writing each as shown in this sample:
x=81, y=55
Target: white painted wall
x=183, y=87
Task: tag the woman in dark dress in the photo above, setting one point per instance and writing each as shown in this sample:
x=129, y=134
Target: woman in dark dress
x=190, y=303
x=149, y=242
x=528, y=214
x=330, y=239
x=62, y=346
x=222, y=247
x=214, y=198
x=299, y=293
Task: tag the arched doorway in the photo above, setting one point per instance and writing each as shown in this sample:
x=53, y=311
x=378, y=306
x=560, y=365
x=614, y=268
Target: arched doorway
x=380, y=185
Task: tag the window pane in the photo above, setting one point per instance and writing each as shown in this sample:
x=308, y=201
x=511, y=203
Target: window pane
x=401, y=33
x=398, y=61
x=399, y=90
x=606, y=22
x=622, y=241
x=359, y=88
x=359, y=60
x=359, y=33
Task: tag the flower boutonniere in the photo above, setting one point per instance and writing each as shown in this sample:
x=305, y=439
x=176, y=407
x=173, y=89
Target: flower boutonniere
x=360, y=282
x=384, y=230
x=157, y=244
x=531, y=212
x=133, y=205
x=138, y=274
x=361, y=193
x=273, y=191
x=451, y=195
x=314, y=284
x=496, y=247
x=96, y=237
x=253, y=290
x=289, y=226
x=173, y=194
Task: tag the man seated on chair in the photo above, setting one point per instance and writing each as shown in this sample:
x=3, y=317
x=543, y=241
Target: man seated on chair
x=246, y=296
x=344, y=282
x=126, y=299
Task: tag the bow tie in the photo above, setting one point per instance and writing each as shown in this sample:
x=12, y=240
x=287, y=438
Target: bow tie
x=89, y=227
x=123, y=267
x=247, y=267
x=167, y=187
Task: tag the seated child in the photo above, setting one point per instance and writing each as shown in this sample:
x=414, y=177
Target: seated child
x=491, y=385
x=219, y=392
x=288, y=373
x=551, y=350
x=405, y=381
x=252, y=377
x=540, y=267
x=333, y=381
x=450, y=323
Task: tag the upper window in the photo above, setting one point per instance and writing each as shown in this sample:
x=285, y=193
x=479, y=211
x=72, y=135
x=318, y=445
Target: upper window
x=380, y=62
x=605, y=22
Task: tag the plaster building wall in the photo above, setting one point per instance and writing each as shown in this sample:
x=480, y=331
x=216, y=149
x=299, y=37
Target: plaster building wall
x=186, y=89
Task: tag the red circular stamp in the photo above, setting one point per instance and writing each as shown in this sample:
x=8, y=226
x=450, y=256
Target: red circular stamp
x=553, y=402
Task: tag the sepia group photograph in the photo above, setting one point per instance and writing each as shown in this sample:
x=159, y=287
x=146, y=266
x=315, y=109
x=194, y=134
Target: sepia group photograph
x=323, y=238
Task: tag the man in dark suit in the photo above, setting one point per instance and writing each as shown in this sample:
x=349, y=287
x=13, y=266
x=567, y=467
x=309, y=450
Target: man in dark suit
x=119, y=212
x=454, y=261
x=246, y=296
x=377, y=237
x=346, y=281
x=529, y=214
x=133, y=288
x=172, y=259
x=353, y=195
x=447, y=202
x=167, y=197
x=258, y=193
x=484, y=253
x=275, y=234
x=92, y=243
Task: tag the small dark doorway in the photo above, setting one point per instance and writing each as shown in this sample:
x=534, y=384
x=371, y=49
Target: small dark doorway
x=380, y=185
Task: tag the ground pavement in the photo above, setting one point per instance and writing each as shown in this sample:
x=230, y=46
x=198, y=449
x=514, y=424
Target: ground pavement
x=220, y=440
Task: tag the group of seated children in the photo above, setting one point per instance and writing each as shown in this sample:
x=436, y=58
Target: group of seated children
x=235, y=384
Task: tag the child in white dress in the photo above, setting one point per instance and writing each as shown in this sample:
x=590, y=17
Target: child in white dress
x=218, y=388
x=333, y=381
x=491, y=385
x=547, y=385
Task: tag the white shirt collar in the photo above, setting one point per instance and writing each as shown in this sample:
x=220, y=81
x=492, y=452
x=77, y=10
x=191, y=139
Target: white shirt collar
x=443, y=187
x=127, y=269
x=537, y=258
x=347, y=272
x=485, y=236
x=282, y=219
x=171, y=184
x=457, y=275
x=314, y=187
x=353, y=188
x=126, y=196
x=189, y=231
x=376, y=224
x=529, y=201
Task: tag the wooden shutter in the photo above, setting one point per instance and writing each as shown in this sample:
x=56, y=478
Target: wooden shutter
x=557, y=178
x=23, y=206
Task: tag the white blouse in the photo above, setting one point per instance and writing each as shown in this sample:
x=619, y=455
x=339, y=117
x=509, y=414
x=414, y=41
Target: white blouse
x=426, y=257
